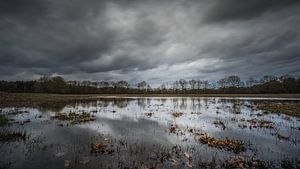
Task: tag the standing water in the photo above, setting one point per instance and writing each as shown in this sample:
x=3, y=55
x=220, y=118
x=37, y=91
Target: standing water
x=167, y=132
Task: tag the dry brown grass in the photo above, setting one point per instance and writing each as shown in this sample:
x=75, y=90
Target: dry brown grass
x=291, y=109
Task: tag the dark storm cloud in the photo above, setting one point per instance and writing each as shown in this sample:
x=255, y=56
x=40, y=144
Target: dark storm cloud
x=230, y=10
x=148, y=40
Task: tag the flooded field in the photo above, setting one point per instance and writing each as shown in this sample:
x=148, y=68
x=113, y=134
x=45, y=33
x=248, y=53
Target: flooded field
x=165, y=132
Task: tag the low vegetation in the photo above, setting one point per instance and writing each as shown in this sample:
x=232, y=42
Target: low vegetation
x=219, y=123
x=74, y=118
x=177, y=114
x=3, y=120
x=101, y=148
x=291, y=109
x=241, y=162
x=40, y=99
x=173, y=128
x=228, y=144
x=255, y=123
x=149, y=114
x=12, y=136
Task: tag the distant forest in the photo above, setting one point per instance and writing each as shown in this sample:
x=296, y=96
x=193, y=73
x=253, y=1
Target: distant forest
x=227, y=85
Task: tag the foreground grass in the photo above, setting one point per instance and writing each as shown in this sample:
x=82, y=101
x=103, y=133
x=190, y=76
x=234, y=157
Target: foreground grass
x=291, y=109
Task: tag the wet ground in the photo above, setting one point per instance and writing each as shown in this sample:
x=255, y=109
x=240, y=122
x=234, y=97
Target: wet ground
x=150, y=133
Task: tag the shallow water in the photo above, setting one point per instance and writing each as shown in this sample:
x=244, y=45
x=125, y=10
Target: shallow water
x=140, y=140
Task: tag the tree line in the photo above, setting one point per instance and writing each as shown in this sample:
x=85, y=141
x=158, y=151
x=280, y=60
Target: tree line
x=231, y=84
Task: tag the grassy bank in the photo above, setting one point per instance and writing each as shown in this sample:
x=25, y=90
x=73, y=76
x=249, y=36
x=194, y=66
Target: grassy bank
x=291, y=109
x=32, y=99
x=35, y=99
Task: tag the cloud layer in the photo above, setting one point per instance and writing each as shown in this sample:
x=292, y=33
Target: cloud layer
x=158, y=40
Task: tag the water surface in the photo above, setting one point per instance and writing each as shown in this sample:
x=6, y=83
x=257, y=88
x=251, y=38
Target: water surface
x=140, y=139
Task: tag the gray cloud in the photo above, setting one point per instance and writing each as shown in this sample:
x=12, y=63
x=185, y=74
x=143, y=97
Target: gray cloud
x=231, y=10
x=148, y=40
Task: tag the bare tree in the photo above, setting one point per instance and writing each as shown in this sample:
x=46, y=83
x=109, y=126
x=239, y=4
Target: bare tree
x=162, y=86
x=182, y=84
x=198, y=83
x=143, y=85
x=123, y=84
x=233, y=81
x=205, y=84
x=250, y=82
x=268, y=78
x=193, y=84
x=222, y=82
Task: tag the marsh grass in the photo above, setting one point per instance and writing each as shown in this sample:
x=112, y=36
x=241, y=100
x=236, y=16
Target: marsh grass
x=291, y=109
x=220, y=143
x=177, y=114
x=241, y=162
x=101, y=148
x=3, y=120
x=74, y=118
x=254, y=123
x=12, y=136
x=219, y=123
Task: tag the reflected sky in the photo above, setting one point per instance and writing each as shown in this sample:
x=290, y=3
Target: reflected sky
x=122, y=121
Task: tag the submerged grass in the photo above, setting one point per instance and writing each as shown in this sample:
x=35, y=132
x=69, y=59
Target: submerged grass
x=12, y=136
x=3, y=120
x=101, y=148
x=74, y=118
x=219, y=123
x=228, y=144
x=241, y=162
x=177, y=114
x=254, y=123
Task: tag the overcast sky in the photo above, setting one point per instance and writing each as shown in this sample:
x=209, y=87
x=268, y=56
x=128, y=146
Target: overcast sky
x=152, y=40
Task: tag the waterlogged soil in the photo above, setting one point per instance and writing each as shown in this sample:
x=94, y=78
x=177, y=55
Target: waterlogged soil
x=168, y=132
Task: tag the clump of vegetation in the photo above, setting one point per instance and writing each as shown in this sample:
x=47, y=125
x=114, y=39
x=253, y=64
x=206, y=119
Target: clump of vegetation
x=290, y=164
x=12, y=136
x=291, y=109
x=101, y=148
x=75, y=118
x=3, y=120
x=241, y=162
x=16, y=112
x=173, y=128
x=177, y=114
x=196, y=113
x=219, y=123
x=24, y=122
x=232, y=145
x=242, y=125
x=175, y=156
x=260, y=123
x=148, y=114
